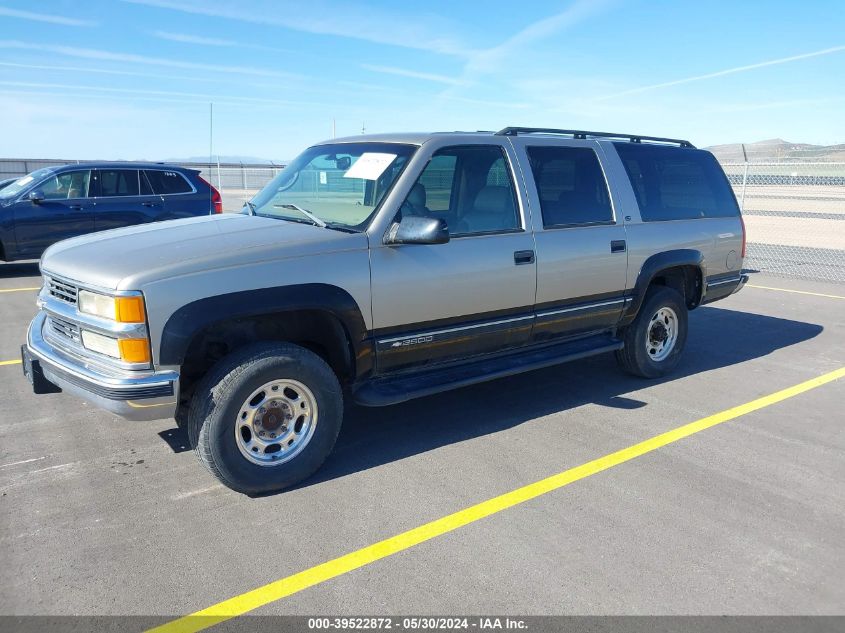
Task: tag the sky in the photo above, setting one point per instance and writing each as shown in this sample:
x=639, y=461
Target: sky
x=133, y=79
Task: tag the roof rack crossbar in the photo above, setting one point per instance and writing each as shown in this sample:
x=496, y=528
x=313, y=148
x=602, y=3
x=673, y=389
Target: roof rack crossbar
x=583, y=134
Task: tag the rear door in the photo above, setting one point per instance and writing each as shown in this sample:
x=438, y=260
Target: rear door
x=120, y=200
x=581, y=243
x=65, y=211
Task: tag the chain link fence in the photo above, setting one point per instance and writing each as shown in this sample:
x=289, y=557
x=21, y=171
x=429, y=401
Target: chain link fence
x=795, y=217
x=237, y=183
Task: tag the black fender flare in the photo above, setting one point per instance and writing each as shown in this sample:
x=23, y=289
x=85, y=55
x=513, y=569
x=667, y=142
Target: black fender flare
x=193, y=318
x=652, y=267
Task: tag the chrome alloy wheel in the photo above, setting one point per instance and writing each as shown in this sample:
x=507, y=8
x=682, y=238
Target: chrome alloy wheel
x=276, y=422
x=662, y=334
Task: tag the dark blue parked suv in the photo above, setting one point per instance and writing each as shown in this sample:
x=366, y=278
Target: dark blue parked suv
x=56, y=203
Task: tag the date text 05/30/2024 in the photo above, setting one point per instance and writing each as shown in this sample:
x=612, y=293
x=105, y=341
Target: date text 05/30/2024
x=418, y=623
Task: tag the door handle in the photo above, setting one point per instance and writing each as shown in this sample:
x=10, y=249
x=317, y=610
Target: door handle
x=617, y=246
x=75, y=207
x=149, y=204
x=523, y=257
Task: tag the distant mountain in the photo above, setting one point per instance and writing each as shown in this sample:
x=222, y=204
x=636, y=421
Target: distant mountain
x=777, y=150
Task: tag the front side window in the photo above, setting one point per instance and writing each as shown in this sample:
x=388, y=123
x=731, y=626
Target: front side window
x=571, y=186
x=340, y=185
x=677, y=183
x=66, y=186
x=118, y=182
x=12, y=190
x=470, y=187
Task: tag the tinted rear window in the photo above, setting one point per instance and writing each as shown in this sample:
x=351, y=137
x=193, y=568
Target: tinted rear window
x=676, y=183
x=166, y=182
x=571, y=185
x=118, y=182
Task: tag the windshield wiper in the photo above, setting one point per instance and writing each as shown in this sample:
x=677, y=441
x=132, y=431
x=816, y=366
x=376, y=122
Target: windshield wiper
x=314, y=219
x=250, y=206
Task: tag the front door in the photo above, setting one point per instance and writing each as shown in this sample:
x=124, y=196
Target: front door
x=473, y=295
x=64, y=211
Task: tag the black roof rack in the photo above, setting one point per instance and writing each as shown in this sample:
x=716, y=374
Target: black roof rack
x=582, y=134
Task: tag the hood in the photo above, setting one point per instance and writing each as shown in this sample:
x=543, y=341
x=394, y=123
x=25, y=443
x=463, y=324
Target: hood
x=125, y=259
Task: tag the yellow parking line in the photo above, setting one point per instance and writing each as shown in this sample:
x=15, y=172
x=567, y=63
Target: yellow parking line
x=17, y=289
x=798, y=292
x=284, y=587
x=10, y=362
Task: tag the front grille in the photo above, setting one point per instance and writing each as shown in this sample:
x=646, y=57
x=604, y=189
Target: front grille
x=62, y=290
x=65, y=329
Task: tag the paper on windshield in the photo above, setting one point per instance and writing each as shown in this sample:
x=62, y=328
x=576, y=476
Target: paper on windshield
x=24, y=181
x=370, y=166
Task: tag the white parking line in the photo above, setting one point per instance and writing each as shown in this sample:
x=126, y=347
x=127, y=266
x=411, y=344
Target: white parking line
x=26, y=461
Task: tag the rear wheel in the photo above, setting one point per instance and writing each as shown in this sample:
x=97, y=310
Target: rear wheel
x=655, y=340
x=266, y=417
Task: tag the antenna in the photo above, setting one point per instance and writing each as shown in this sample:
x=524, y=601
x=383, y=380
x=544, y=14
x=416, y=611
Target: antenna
x=363, y=128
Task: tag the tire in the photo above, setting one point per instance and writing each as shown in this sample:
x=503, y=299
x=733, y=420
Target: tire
x=644, y=354
x=226, y=417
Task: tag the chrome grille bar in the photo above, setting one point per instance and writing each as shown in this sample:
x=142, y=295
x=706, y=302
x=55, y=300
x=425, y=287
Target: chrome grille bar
x=62, y=290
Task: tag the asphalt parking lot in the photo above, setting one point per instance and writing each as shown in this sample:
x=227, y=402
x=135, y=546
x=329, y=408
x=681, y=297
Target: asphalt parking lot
x=104, y=516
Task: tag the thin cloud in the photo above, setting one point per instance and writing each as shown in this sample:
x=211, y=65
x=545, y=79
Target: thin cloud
x=771, y=105
x=323, y=18
x=154, y=93
x=488, y=60
x=186, y=38
x=91, y=53
x=722, y=73
x=404, y=72
x=105, y=71
x=44, y=17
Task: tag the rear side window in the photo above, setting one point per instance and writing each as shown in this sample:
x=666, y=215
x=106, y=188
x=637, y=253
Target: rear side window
x=571, y=186
x=118, y=182
x=166, y=182
x=676, y=183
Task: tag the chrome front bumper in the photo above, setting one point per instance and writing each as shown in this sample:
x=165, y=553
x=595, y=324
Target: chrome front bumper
x=134, y=395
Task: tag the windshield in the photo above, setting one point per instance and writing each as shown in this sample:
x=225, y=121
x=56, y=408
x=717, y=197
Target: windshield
x=22, y=183
x=338, y=185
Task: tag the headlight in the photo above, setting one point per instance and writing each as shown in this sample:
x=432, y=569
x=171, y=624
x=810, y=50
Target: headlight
x=130, y=350
x=120, y=309
x=101, y=344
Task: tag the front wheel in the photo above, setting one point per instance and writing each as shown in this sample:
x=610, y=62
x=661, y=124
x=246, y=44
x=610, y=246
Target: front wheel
x=266, y=417
x=656, y=338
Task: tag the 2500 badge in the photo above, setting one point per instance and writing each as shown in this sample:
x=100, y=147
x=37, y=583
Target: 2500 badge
x=414, y=341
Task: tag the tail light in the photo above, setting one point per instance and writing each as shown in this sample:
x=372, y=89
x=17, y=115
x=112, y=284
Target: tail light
x=742, y=222
x=216, y=198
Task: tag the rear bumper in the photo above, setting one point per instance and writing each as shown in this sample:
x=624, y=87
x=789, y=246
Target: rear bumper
x=722, y=287
x=132, y=395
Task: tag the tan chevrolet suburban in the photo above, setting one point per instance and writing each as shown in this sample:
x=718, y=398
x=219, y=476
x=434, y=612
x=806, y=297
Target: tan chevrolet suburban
x=382, y=268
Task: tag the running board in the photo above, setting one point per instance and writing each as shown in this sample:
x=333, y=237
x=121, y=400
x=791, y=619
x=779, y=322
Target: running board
x=393, y=390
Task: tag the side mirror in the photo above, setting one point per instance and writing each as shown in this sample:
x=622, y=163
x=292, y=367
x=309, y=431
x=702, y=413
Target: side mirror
x=417, y=229
x=36, y=197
